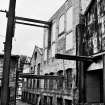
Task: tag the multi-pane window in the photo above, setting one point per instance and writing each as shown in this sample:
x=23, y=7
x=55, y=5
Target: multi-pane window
x=53, y=32
x=61, y=24
x=69, y=19
x=69, y=41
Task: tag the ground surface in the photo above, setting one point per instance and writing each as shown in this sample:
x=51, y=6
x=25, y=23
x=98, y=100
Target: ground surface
x=18, y=102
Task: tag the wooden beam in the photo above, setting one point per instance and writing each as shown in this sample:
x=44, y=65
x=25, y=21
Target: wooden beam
x=7, y=54
x=73, y=57
x=31, y=24
x=32, y=76
x=32, y=20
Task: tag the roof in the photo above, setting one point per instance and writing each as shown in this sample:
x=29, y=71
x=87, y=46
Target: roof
x=40, y=50
x=89, y=6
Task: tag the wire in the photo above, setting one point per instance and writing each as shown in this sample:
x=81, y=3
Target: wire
x=5, y=11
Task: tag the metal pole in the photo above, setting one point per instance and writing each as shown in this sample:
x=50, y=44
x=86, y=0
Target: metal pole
x=7, y=53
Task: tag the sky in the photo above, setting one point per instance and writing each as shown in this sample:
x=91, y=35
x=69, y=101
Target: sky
x=26, y=37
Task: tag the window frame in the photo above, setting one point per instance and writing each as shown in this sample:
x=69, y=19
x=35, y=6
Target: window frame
x=67, y=25
x=62, y=31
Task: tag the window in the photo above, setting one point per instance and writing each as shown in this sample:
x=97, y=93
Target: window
x=38, y=69
x=34, y=68
x=61, y=24
x=35, y=56
x=53, y=32
x=69, y=41
x=34, y=83
x=53, y=50
x=45, y=82
x=69, y=20
x=46, y=38
x=51, y=81
x=68, y=78
x=45, y=55
x=38, y=83
x=60, y=81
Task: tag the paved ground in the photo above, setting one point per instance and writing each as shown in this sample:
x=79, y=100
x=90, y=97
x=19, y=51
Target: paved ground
x=21, y=103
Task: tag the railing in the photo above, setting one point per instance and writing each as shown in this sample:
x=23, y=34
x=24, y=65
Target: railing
x=54, y=86
x=48, y=91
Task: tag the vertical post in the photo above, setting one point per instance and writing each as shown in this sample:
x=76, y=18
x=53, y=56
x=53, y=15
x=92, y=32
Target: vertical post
x=16, y=81
x=104, y=79
x=7, y=53
x=80, y=65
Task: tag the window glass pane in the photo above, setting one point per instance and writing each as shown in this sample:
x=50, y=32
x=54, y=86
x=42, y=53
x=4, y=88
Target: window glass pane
x=61, y=24
x=53, y=32
x=45, y=55
x=69, y=41
x=69, y=21
x=53, y=50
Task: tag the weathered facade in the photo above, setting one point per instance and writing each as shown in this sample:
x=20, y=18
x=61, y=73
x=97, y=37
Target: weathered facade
x=91, y=42
x=80, y=32
x=61, y=38
x=59, y=84
x=12, y=77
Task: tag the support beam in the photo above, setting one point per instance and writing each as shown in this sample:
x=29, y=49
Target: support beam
x=73, y=57
x=32, y=76
x=23, y=23
x=32, y=20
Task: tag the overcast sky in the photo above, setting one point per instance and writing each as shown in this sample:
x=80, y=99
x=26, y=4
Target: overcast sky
x=27, y=36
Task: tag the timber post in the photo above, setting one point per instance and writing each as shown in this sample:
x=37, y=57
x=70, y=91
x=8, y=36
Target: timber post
x=7, y=53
